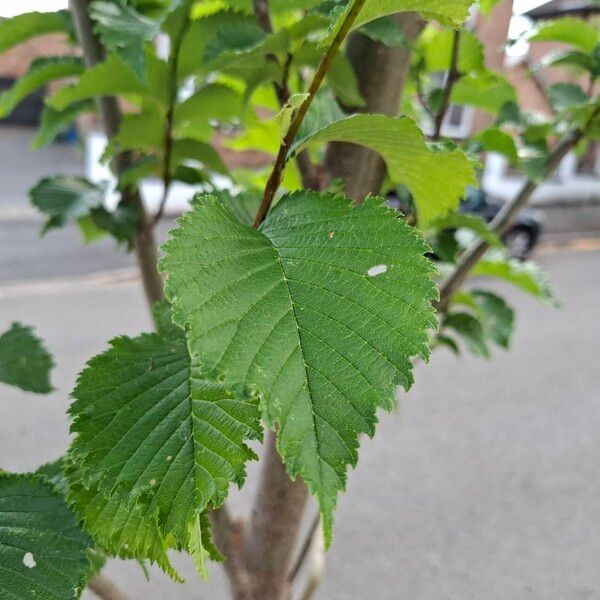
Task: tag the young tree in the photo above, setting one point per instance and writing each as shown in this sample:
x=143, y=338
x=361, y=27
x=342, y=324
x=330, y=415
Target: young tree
x=288, y=313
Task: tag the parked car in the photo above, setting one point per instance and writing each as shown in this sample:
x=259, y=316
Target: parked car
x=520, y=238
x=524, y=231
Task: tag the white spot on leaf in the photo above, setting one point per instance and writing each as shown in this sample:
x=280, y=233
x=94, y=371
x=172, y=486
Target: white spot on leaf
x=153, y=482
x=377, y=270
x=331, y=234
x=28, y=560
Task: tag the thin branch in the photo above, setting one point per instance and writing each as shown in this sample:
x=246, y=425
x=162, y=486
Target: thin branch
x=228, y=534
x=167, y=175
x=502, y=220
x=305, y=548
x=105, y=589
x=451, y=79
x=318, y=566
x=275, y=178
x=308, y=173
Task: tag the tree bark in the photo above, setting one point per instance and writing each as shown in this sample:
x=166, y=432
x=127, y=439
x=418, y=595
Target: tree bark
x=110, y=113
x=274, y=526
x=381, y=73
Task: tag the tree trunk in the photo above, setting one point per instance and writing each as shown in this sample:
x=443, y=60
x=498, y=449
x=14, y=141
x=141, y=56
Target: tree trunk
x=381, y=73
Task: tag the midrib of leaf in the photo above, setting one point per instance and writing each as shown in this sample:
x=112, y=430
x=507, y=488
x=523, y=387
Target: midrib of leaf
x=307, y=384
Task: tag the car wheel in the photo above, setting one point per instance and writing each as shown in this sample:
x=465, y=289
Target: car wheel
x=519, y=242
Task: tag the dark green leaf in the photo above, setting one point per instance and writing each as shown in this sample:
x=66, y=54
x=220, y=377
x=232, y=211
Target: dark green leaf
x=43, y=553
x=24, y=362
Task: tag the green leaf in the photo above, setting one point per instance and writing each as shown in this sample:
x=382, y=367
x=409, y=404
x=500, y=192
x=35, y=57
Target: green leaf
x=487, y=6
x=244, y=206
x=496, y=315
x=153, y=432
x=234, y=38
x=24, y=362
x=341, y=75
x=386, y=32
x=494, y=139
x=319, y=311
x=448, y=12
x=54, y=122
x=124, y=31
x=470, y=329
x=570, y=58
x=323, y=111
x=119, y=528
x=563, y=96
x=288, y=110
x=485, y=90
x=475, y=223
x=143, y=131
x=198, y=152
x=525, y=275
x=193, y=117
x=437, y=179
x=42, y=71
x=27, y=25
x=567, y=30
x=43, y=553
x=110, y=77
x=63, y=199
x=436, y=47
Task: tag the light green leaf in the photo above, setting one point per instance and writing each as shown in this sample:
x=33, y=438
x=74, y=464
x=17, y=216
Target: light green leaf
x=571, y=58
x=487, y=6
x=24, y=362
x=43, y=553
x=563, y=96
x=448, y=12
x=143, y=131
x=54, y=122
x=436, y=46
x=110, y=77
x=437, y=179
x=27, y=25
x=63, y=199
x=323, y=111
x=213, y=102
x=288, y=110
x=568, y=30
x=319, y=311
x=494, y=139
x=124, y=30
x=119, y=528
x=485, y=90
x=525, y=275
x=42, y=71
x=188, y=150
x=178, y=440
